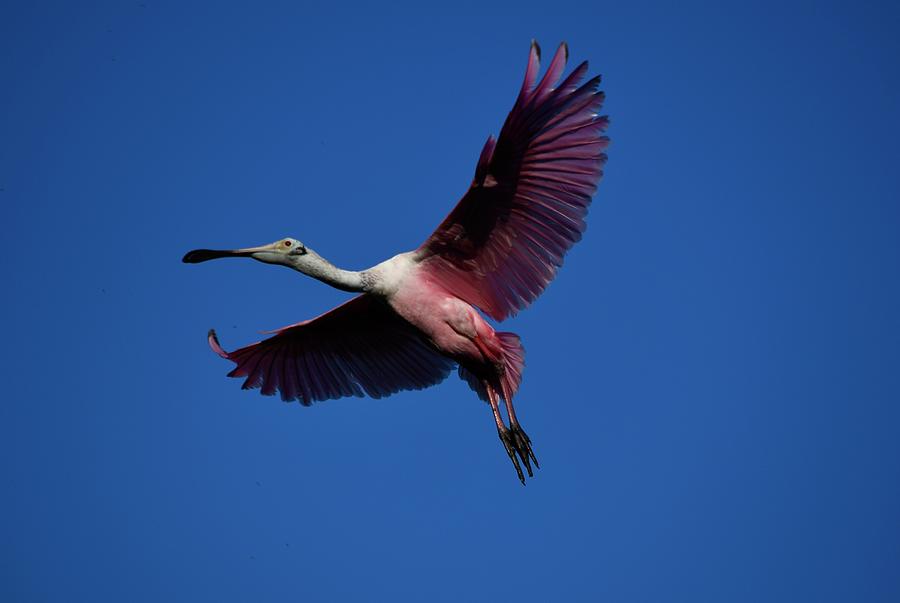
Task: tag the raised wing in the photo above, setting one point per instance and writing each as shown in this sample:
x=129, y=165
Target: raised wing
x=502, y=244
x=359, y=347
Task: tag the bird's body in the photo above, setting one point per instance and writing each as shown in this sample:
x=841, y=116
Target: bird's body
x=449, y=323
x=418, y=313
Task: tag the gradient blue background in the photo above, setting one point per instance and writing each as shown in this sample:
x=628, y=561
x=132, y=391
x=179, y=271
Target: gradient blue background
x=712, y=383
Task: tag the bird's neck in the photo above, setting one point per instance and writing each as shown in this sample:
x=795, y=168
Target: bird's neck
x=314, y=265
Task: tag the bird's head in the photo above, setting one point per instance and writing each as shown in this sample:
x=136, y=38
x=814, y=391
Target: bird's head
x=286, y=251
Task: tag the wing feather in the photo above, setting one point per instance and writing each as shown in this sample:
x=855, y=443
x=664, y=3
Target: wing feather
x=504, y=241
x=359, y=347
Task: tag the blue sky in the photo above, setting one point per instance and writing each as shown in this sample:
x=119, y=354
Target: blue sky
x=712, y=382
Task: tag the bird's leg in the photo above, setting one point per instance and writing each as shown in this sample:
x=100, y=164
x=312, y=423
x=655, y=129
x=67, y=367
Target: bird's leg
x=514, y=439
x=505, y=435
x=521, y=441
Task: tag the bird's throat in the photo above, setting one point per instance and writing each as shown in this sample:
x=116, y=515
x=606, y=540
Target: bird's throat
x=314, y=265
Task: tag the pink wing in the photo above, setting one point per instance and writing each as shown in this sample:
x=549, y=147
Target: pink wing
x=502, y=244
x=361, y=346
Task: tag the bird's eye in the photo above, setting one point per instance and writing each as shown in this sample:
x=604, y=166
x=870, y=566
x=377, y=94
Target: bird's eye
x=287, y=243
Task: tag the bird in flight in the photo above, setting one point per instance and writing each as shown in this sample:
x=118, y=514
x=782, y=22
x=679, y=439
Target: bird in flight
x=417, y=316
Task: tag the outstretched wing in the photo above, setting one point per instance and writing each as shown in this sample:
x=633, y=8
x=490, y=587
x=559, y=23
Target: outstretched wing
x=502, y=244
x=359, y=347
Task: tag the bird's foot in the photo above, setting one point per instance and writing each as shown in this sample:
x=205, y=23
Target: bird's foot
x=518, y=446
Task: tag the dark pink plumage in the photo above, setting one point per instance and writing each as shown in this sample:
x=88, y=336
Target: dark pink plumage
x=359, y=348
x=497, y=250
x=502, y=244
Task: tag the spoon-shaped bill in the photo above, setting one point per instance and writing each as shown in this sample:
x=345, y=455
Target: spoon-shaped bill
x=203, y=255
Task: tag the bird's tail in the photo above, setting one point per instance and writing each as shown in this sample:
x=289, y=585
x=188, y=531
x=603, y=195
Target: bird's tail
x=514, y=363
x=507, y=383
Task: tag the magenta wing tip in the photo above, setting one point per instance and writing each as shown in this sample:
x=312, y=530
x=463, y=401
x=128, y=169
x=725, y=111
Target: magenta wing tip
x=531, y=70
x=214, y=344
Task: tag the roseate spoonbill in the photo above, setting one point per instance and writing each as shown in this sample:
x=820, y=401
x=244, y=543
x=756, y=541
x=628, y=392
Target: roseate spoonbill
x=496, y=251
